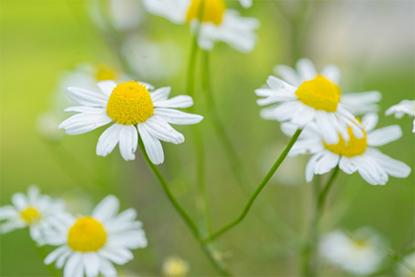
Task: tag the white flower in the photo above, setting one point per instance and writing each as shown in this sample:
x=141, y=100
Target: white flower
x=308, y=97
x=356, y=102
x=126, y=14
x=246, y=3
x=407, y=267
x=218, y=22
x=175, y=267
x=90, y=245
x=360, y=253
x=404, y=107
x=34, y=210
x=354, y=155
x=133, y=110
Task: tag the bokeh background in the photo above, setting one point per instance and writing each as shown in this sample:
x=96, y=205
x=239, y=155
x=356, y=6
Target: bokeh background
x=373, y=43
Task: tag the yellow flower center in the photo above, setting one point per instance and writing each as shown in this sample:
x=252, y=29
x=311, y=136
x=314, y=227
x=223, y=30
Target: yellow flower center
x=130, y=103
x=361, y=243
x=87, y=235
x=353, y=147
x=319, y=93
x=104, y=73
x=30, y=215
x=213, y=11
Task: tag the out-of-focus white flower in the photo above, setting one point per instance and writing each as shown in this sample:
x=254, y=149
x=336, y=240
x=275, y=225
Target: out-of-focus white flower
x=404, y=107
x=126, y=14
x=152, y=60
x=90, y=245
x=360, y=253
x=246, y=3
x=354, y=155
x=407, y=267
x=356, y=102
x=175, y=267
x=218, y=22
x=47, y=126
x=133, y=110
x=308, y=97
x=34, y=210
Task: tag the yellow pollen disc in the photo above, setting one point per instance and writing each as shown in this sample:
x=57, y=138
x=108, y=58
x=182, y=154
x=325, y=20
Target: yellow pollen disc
x=130, y=103
x=353, y=147
x=319, y=93
x=360, y=243
x=213, y=11
x=87, y=235
x=30, y=215
x=104, y=73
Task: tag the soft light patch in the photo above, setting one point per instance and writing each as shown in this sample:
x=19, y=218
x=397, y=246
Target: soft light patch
x=213, y=11
x=361, y=243
x=130, y=103
x=87, y=235
x=30, y=215
x=319, y=93
x=105, y=73
x=353, y=147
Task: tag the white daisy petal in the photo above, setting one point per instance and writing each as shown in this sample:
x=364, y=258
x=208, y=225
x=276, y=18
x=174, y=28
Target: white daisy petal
x=332, y=72
x=392, y=167
x=128, y=142
x=60, y=262
x=288, y=74
x=279, y=85
x=160, y=129
x=178, y=117
x=384, y=135
x=309, y=171
x=83, y=123
x=106, y=268
x=8, y=212
x=74, y=266
x=19, y=201
x=327, y=162
x=282, y=112
x=152, y=145
x=369, y=121
x=347, y=165
x=173, y=10
x=107, y=208
x=55, y=254
x=328, y=131
x=160, y=94
x=91, y=264
x=118, y=256
x=306, y=69
x=86, y=97
x=371, y=171
x=107, y=87
x=108, y=140
x=181, y=101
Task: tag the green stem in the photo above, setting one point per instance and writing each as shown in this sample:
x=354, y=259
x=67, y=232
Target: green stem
x=258, y=190
x=183, y=214
x=310, y=259
x=217, y=123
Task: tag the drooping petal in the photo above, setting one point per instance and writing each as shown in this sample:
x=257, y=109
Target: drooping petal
x=384, y=135
x=152, y=145
x=162, y=130
x=128, y=142
x=392, y=167
x=108, y=140
x=107, y=208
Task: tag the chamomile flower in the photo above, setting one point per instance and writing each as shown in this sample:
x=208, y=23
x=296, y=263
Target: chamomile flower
x=404, y=107
x=356, y=102
x=175, y=267
x=218, y=22
x=133, y=110
x=407, y=267
x=360, y=253
x=311, y=98
x=33, y=210
x=355, y=155
x=90, y=245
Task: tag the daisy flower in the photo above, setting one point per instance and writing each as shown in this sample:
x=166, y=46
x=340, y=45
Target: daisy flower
x=407, y=267
x=404, y=107
x=133, y=109
x=355, y=155
x=317, y=99
x=90, y=245
x=356, y=102
x=218, y=22
x=175, y=267
x=33, y=210
x=360, y=253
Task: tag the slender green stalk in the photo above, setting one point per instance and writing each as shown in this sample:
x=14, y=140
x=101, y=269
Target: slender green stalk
x=183, y=214
x=217, y=122
x=258, y=190
x=310, y=259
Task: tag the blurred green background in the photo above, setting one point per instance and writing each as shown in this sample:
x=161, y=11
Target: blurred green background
x=371, y=41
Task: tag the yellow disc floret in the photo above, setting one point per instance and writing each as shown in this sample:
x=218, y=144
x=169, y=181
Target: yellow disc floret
x=213, y=11
x=130, y=103
x=319, y=93
x=30, y=215
x=87, y=235
x=353, y=147
x=105, y=73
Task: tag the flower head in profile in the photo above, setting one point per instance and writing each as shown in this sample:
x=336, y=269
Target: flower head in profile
x=135, y=110
x=309, y=97
x=354, y=155
x=407, y=267
x=404, y=107
x=175, y=267
x=90, y=245
x=360, y=253
x=32, y=210
x=217, y=22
